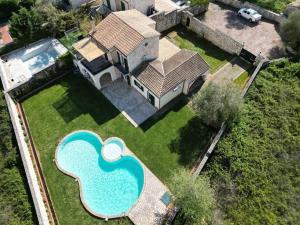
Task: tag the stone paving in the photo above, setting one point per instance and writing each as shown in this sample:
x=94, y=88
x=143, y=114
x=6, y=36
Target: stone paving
x=262, y=37
x=149, y=209
x=129, y=102
x=231, y=70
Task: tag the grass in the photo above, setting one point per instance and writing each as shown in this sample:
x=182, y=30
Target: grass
x=243, y=78
x=71, y=38
x=166, y=143
x=273, y=5
x=214, y=56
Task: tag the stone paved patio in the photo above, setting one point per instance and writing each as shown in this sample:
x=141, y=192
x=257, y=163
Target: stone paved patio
x=149, y=209
x=131, y=103
x=262, y=37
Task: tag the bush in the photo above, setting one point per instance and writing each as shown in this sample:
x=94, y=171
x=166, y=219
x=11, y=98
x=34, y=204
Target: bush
x=217, y=102
x=7, y=7
x=199, y=2
x=194, y=196
x=39, y=22
x=255, y=168
x=290, y=30
x=26, y=25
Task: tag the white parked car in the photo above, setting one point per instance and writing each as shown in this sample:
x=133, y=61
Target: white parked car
x=250, y=14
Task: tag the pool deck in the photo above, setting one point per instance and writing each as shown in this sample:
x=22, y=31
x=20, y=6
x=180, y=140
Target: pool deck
x=149, y=209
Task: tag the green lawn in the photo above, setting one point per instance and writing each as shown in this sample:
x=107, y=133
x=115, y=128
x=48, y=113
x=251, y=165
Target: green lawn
x=214, y=56
x=71, y=38
x=164, y=144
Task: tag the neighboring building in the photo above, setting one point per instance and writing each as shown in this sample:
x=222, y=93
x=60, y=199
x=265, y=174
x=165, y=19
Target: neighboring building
x=144, y=6
x=126, y=45
x=21, y=65
x=5, y=37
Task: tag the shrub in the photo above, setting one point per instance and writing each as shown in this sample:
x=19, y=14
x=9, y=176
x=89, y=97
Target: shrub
x=217, y=102
x=194, y=196
x=290, y=30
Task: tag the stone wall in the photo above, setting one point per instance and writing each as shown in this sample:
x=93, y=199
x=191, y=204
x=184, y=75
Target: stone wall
x=267, y=14
x=217, y=37
x=167, y=20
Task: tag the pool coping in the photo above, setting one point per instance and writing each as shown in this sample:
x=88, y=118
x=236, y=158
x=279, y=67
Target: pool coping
x=77, y=179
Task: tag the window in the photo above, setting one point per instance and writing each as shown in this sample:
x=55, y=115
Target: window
x=146, y=44
x=138, y=85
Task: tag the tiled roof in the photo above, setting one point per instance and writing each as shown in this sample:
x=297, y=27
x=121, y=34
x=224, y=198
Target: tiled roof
x=160, y=77
x=123, y=30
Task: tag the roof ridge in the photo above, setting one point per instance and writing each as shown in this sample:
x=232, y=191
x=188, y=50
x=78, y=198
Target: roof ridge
x=128, y=25
x=163, y=77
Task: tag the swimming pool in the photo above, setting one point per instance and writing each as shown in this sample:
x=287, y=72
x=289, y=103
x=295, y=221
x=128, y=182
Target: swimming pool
x=107, y=189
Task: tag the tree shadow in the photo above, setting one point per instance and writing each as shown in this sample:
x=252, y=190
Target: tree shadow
x=192, y=141
x=175, y=105
x=80, y=98
x=236, y=22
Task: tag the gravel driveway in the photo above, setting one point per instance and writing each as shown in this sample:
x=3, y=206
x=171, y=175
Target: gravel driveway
x=262, y=37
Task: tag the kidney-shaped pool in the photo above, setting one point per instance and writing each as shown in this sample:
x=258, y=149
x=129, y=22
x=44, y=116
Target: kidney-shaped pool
x=107, y=188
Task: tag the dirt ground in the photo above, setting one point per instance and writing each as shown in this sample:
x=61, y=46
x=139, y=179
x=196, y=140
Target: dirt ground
x=258, y=38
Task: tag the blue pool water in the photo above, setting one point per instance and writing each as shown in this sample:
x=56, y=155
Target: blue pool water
x=41, y=60
x=108, y=188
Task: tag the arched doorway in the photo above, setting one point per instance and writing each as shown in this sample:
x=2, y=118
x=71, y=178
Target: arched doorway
x=188, y=20
x=105, y=79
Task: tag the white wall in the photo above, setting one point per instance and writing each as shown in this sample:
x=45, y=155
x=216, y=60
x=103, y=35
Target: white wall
x=143, y=5
x=136, y=57
x=171, y=94
x=113, y=4
x=95, y=79
x=145, y=92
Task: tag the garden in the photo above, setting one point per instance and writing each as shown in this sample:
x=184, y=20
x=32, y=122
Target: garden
x=165, y=143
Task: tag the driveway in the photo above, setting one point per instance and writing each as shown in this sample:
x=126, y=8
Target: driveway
x=129, y=102
x=262, y=37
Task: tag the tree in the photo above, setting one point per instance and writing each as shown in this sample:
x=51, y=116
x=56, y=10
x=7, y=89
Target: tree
x=290, y=30
x=26, y=25
x=7, y=7
x=194, y=196
x=199, y=2
x=219, y=101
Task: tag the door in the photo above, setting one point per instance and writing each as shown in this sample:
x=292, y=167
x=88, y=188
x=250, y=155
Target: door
x=123, y=6
x=128, y=80
x=108, y=4
x=151, y=99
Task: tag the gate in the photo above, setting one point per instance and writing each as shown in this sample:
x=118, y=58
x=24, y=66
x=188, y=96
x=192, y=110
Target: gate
x=248, y=56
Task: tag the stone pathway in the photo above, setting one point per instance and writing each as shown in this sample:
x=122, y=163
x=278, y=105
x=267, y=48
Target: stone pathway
x=129, y=102
x=149, y=209
x=231, y=70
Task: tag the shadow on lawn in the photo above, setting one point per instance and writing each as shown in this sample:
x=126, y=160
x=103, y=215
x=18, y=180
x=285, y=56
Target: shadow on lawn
x=175, y=105
x=80, y=98
x=191, y=141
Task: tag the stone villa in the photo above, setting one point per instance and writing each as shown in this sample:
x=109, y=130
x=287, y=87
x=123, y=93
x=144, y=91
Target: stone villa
x=126, y=46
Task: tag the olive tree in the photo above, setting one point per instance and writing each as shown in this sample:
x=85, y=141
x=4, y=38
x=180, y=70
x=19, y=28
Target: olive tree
x=194, y=196
x=290, y=30
x=217, y=102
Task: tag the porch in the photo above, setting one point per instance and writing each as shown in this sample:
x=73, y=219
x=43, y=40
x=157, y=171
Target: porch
x=128, y=101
